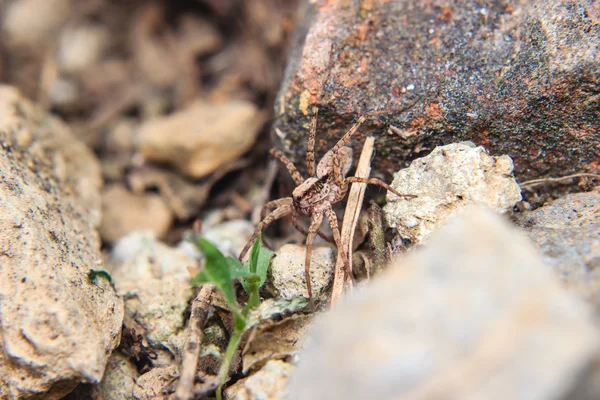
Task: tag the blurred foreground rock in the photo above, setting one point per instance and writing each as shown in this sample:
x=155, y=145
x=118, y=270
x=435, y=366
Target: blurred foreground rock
x=519, y=78
x=57, y=324
x=201, y=138
x=567, y=233
x=475, y=315
x=449, y=180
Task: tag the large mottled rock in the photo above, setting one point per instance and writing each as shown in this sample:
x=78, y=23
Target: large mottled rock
x=447, y=181
x=201, y=138
x=518, y=77
x=567, y=233
x=475, y=315
x=58, y=325
x=268, y=383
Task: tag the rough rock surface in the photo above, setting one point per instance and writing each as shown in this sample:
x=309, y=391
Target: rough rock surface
x=202, y=137
x=448, y=180
x=287, y=270
x=124, y=212
x=518, y=77
x=567, y=233
x=474, y=315
x=153, y=279
x=57, y=326
x=270, y=382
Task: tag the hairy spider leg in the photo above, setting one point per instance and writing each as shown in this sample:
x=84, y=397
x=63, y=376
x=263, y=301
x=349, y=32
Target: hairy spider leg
x=333, y=222
x=378, y=182
x=275, y=215
x=338, y=174
x=302, y=230
x=285, y=201
x=310, y=148
x=296, y=176
x=315, y=223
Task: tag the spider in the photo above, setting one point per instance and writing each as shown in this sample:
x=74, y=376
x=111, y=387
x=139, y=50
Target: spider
x=315, y=195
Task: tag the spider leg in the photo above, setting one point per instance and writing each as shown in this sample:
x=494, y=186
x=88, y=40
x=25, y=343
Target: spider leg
x=375, y=181
x=276, y=214
x=286, y=201
x=317, y=218
x=338, y=177
x=310, y=148
x=288, y=164
x=333, y=222
x=342, y=142
x=302, y=230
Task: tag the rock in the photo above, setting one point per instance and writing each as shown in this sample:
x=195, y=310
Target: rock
x=57, y=325
x=230, y=236
x=154, y=281
x=275, y=340
x=155, y=383
x=80, y=47
x=475, y=315
x=125, y=212
x=33, y=22
x=567, y=234
x=447, y=181
x=269, y=383
x=118, y=381
x=517, y=77
x=202, y=137
x=287, y=270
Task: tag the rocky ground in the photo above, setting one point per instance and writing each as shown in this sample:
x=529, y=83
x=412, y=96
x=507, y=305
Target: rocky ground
x=124, y=125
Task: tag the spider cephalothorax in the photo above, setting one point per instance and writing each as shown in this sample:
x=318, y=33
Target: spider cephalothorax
x=315, y=195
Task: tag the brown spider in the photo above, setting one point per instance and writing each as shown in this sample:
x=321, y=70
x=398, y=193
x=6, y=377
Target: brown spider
x=314, y=196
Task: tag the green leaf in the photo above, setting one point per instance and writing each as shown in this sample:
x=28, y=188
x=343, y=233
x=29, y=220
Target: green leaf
x=255, y=253
x=257, y=265
x=217, y=271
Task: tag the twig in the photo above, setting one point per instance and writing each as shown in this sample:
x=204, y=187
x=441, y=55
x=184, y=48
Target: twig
x=185, y=387
x=353, y=207
x=272, y=169
x=536, y=182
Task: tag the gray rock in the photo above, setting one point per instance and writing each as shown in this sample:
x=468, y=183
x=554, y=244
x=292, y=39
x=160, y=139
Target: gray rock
x=567, y=234
x=154, y=280
x=476, y=315
x=447, y=181
x=517, y=77
x=287, y=270
x=57, y=325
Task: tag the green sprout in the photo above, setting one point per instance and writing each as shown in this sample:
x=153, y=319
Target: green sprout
x=222, y=271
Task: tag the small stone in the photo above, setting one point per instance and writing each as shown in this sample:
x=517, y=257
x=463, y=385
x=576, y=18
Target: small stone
x=57, y=324
x=567, y=234
x=33, y=22
x=153, y=279
x=80, y=47
x=287, y=270
x=474, y=315
x=230, y=236
x=118, y=380
x=152, y=383
x=269, y=383
x=125, y=212
x=447, y=181
x=202, y=137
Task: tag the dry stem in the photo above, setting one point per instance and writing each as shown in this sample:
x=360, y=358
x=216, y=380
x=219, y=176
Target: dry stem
x=185, y=387
x=353, y=207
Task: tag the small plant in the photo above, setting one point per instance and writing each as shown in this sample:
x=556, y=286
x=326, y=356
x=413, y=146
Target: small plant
x=222, y=271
